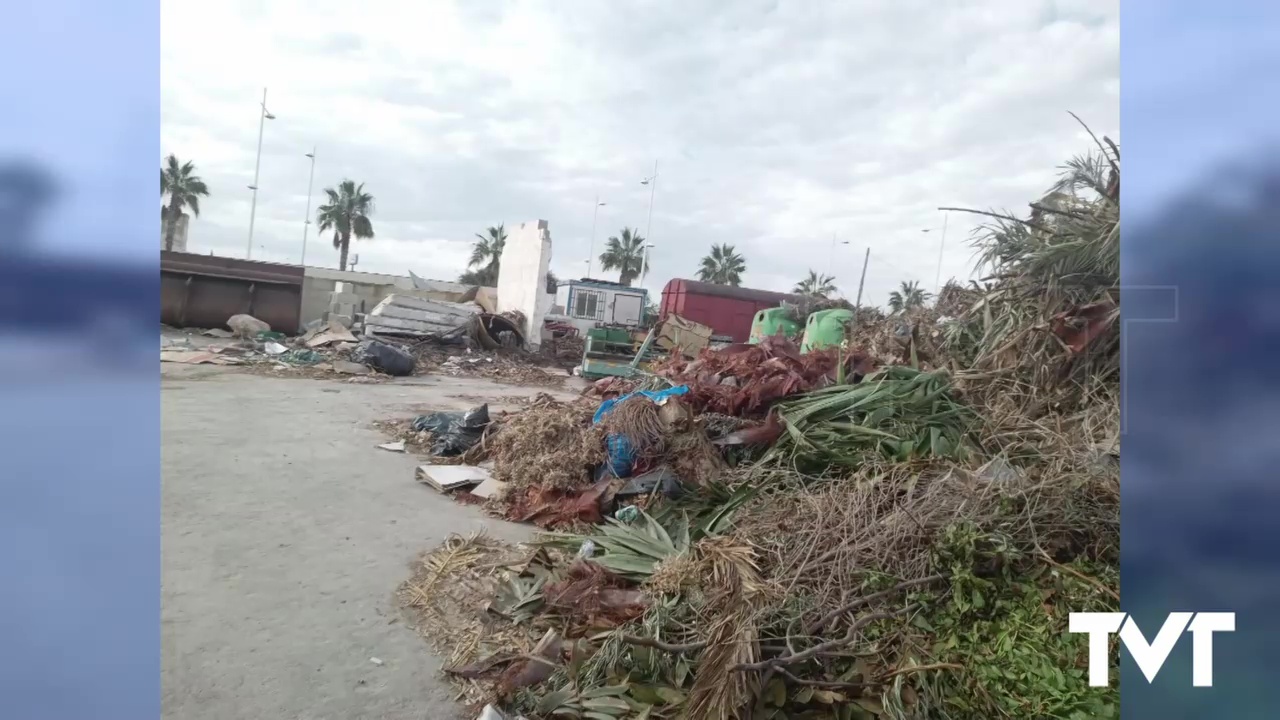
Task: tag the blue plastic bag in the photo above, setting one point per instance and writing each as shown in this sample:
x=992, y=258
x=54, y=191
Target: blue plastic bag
x=620, y=449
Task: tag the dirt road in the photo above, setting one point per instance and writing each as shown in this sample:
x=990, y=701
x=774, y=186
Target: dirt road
x=285, y=532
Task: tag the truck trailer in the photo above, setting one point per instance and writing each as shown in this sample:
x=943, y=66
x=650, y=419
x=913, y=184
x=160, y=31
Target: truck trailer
x=727, y=310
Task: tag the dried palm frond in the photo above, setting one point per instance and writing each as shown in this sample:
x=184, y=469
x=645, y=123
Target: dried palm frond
x=737, y=596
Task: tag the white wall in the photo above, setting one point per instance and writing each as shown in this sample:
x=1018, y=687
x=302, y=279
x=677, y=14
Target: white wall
x=522, y=276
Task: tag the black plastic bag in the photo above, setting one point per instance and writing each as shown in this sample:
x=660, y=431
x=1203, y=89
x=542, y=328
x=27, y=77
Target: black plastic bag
x=384, y=358
x=661, y=479
x=454, y=433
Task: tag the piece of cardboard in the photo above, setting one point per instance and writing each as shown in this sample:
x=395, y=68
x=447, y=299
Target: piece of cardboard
x=688, y=336
x=335, y=333
x=450, y=477
x=488, y=488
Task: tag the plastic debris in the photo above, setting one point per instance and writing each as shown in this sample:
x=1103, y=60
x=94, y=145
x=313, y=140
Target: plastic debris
x=454, y=433
x=384, y=358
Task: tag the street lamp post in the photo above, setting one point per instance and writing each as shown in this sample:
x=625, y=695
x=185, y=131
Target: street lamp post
x=937, y=281
x=591, y=249
x=263, y=117
x=652, y=182
x=644, y=264
x=306, y=221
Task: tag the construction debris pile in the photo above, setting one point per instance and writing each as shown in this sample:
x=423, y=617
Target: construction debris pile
x=856, y=533
x=404, y=335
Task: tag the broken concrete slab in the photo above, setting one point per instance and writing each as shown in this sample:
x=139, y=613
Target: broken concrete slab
x=406, y=315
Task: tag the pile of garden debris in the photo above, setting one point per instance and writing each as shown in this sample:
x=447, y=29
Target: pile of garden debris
x=857, y=533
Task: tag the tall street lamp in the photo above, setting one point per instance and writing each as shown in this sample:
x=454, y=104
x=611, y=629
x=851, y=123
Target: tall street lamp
x=591, y=249
x=652, y=182
x=257, y=165
x=644, y=264
x=306, y=222
x=942, y=243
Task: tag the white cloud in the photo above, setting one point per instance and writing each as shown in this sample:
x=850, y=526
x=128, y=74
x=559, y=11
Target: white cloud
x=775, y=124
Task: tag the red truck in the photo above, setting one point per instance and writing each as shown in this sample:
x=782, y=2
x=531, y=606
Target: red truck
x=727, y=310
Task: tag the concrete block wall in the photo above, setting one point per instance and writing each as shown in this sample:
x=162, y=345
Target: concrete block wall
x=522, y=277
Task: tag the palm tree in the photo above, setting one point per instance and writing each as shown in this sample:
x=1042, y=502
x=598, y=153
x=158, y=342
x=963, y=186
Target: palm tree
x=816, y=285
x=624, y=253
x=907, y=296
x=724, y=266
x=486, y=255
x=184, y=188
x=347, y=213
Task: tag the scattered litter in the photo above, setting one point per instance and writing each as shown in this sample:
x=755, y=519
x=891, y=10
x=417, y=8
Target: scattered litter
x=301, y=357
x=450, y=477
x=376, y=661
x=397, y=446
x=218, y=333
x=275, y=348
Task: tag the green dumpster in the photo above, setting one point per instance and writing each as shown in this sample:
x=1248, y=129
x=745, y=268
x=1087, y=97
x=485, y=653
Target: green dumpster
x=825, y=329
x=770, y=322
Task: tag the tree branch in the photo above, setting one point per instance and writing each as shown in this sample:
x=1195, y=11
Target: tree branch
x=849, y=637
x=825, y=620
x=667, y=647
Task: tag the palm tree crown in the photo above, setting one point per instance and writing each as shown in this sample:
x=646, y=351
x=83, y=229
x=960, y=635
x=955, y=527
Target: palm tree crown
x=907, y=296
x=625, y=253
x=816, y=285
x=179, y=181
x=346, y=214
x=486, y=257
x=723, y=266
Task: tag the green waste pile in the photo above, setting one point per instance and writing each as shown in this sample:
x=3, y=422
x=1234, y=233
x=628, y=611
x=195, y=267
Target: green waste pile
x=906, y=547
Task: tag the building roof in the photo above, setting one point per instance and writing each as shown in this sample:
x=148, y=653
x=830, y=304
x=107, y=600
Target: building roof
x=727, y=291
x=605, y=285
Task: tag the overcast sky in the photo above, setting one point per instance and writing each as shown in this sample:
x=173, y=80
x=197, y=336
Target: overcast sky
x=775, y=125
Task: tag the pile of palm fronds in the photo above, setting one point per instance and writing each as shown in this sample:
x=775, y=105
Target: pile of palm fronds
x=910, y=547
x=898, y=413
x=1048, y=317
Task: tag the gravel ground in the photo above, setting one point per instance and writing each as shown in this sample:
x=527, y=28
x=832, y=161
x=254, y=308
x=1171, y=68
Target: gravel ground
x=285, y=533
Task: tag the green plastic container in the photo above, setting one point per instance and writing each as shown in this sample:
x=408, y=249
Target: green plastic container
x=825, y=329
x=770, y=322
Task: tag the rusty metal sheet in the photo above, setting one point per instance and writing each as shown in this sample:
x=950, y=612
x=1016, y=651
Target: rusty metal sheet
x=205, y=290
